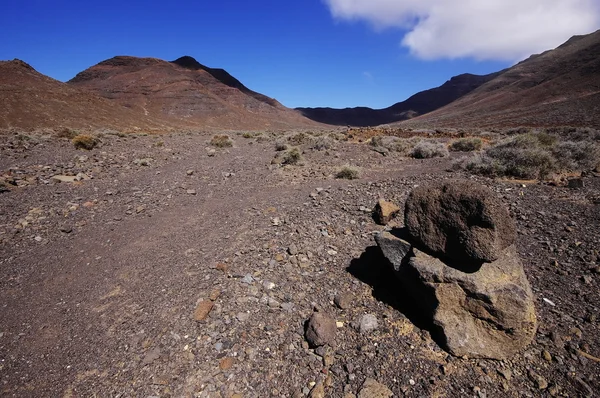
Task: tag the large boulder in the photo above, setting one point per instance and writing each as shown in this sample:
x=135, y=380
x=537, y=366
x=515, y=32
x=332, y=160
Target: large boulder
x=459, y=220
x=484, y=314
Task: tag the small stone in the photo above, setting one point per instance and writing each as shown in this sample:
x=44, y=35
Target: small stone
x=373, y=389
x=547, y=356
x=248, y=279
x=268, y=285
x=67, y=229
x=190, y=172
x=202, y=310
x=226, y=363
x=191, y=191
x=293, y=250
x=506, y=373
x=339, y=324
x=384, y=211
x=222, y=267
x=242, y=316
x=540, y=381
x=318, y=391
x=320, y=330
x=343, y=300
x=367, y=323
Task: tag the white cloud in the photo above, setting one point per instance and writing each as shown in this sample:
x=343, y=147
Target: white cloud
x=481, y=29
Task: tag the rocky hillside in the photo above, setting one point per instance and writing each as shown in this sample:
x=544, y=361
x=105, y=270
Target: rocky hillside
x=184, y=92
x=418, y=104
x=32, y=100
x=557, y=87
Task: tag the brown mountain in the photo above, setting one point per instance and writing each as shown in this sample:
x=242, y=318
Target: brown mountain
x=557, y=87
x=32, y=100
x=185, y=93
x=418, y=104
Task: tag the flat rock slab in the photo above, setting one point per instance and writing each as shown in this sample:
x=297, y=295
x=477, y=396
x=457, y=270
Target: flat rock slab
x=459, y=220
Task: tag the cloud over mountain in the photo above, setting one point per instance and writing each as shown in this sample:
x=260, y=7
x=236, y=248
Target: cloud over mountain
x=493, y=29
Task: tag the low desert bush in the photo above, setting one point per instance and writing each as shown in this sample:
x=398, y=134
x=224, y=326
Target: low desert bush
x=535, y=156
x=67, y=133
x=299, y=139
x=467, y=144
x=280, y=145
x=292, y=156
x=429, y=149
x=322, y=143
x=347, y=173
x=403, y=146
x=84, y=141
x=248, y=135
x=221, y=141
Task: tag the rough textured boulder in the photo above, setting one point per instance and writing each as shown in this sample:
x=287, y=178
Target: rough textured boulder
x=459, y=220
x=320, y=330
x=483, y=314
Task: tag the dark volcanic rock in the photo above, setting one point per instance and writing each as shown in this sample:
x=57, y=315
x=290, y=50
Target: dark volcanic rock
x=459, y=220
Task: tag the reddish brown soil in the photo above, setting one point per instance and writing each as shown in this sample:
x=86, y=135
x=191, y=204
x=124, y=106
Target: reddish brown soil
x=100, y=279
x=558, y=87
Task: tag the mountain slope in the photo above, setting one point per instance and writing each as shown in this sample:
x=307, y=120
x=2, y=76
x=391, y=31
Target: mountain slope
x=184, y=92
x=557, y=87
x=418, y=104
x=32, y=100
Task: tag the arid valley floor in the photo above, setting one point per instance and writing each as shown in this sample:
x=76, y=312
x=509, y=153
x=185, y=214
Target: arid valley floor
x=176, y=268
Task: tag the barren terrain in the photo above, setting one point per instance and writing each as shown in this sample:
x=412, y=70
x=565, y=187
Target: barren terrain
x=172, y=268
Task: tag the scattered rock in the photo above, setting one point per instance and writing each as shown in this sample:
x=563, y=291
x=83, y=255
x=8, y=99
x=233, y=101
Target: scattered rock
x=540, y=381
x=191, y=192
x=343, y=300
x=459, y=220
x=575, y=183
x=226, y=363
x=367, y=323
x=318, y=391
x=320, y=330
x=202, y=310
x=373, y=389
x=63, y=178
x=384, y=211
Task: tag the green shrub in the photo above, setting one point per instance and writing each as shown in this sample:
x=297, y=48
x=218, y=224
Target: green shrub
x=467, y=144
x=221, y=141
x=428, y=149
x=348, y=173
x=84, y=141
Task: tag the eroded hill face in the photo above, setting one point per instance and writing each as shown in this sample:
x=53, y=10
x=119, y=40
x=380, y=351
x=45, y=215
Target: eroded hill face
x=185, y=92
x=32, y=100
x=557, y=87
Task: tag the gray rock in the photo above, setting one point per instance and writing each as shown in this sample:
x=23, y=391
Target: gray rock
x=484, y=314
x=320, y=330
x=343, y=300
x=367, y=323
x=459, y=220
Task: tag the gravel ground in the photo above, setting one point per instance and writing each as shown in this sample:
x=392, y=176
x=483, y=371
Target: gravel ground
x=173, y=268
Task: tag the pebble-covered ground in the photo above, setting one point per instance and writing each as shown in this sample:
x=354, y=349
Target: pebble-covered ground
x=163, y=266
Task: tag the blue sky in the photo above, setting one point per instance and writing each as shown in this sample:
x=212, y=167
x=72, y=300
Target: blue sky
x=336, y=53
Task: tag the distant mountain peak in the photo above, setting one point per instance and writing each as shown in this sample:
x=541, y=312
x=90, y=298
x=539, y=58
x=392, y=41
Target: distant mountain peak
x=188, y=62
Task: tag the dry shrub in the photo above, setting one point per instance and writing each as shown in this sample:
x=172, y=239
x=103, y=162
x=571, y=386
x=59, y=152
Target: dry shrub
x=403, y=146
x=348, y=173
x=322, y=143
x=221, y=141
x=535, y=156
x=67, y=133
x=428, y=149
x=299, y=139
x=467, y=144
x=84, y=141
x=280, y=145
x=292, y=156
